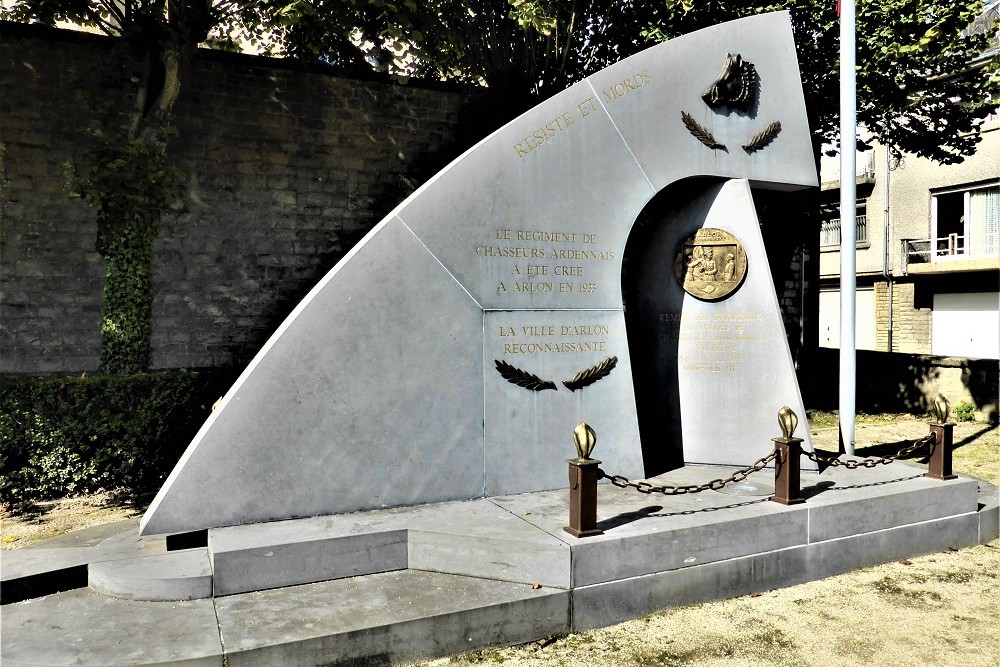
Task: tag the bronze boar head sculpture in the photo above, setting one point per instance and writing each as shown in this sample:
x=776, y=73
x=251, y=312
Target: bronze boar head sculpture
x=735, y=86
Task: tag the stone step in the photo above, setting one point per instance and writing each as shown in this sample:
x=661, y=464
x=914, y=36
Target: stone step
x=386, y=618
x=177, y=575
x=376, y=619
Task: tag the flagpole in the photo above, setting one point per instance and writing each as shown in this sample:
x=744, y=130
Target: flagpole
x=848, y=231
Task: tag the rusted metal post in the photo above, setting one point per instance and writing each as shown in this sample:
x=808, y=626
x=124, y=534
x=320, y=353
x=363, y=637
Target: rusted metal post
x=583, y=498
x=786, y=464
x=786, y=471
x=583, y=476
x=939, y=465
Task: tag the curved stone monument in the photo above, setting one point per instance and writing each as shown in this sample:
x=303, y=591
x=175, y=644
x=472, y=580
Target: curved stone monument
x=450, y=354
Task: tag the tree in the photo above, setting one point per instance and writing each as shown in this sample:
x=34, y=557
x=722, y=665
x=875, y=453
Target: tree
x=521, y=51
x=910, y=53
x=125, y=174
x=527, y=50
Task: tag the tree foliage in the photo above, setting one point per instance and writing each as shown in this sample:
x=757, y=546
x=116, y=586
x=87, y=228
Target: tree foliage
x=916, y=92
x=909, y=52
x=521, y=50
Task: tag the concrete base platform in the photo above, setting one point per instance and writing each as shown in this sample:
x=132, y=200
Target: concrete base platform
x=403, y=584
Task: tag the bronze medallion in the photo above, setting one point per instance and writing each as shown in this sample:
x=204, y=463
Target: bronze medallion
x=710, y=264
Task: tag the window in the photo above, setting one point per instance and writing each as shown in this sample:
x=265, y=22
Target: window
x=829, y=230
x=965, y=223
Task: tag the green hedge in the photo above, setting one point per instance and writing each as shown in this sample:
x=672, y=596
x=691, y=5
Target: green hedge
x=61, y=436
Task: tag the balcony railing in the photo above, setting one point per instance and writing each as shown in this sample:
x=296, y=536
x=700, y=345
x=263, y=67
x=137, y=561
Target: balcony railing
x=829, y=231
x=949, y=248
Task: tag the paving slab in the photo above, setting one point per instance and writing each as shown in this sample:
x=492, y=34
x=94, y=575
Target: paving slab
x=386, y=618
x=109, y=542
x=876, y=500
x=476, y=538
x=989, y=512
x=82, y=627
x=607, y=603
x=837, y=556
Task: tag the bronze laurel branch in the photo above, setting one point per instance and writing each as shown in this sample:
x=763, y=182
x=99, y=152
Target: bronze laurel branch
x=700, y=133
x=762, y=139
x=522, y=378
x=592, y=374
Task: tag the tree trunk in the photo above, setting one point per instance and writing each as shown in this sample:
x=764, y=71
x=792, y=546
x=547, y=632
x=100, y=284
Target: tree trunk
x=128, y=223
x=126, y=320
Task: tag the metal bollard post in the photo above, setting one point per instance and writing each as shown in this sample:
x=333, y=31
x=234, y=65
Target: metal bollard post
x=583, y=475
x=786, y=465
x=939, y=465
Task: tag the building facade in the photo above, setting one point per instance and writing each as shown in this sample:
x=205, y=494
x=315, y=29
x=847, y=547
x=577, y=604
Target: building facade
x=928, y=253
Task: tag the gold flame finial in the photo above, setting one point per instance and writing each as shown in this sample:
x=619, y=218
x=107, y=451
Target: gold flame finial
x=941, y=408
x=585, y=438
x=787, y=420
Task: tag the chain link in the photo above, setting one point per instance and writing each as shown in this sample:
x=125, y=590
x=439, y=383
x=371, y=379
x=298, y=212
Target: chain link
x=872, y=461
x=623, y=482
x=714, y=485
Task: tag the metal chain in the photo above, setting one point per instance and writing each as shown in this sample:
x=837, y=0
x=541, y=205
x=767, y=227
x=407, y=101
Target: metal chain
x=715, y=485
x=871, y=462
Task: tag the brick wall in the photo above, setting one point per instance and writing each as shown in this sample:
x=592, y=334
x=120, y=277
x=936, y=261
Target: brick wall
x=286, y=171
x=911, y=324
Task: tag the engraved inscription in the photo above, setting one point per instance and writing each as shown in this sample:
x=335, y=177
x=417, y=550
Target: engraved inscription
x=545, y=261
x=710, y=264
x=553, y=128
x=712, y=343
x=554, y=338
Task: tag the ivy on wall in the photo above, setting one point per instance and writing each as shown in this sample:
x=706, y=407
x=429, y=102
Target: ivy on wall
x=127, y=184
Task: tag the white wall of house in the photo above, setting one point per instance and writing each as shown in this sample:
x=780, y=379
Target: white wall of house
x=966, y=325
x=864, y=324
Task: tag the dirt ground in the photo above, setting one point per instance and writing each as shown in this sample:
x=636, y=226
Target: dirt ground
x=939, y=609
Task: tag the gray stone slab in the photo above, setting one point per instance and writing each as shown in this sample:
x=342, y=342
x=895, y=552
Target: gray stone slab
x=85, y=628
x=507, y=222
x=386, y=618
x=481, y=539
x=305, y=561
x=989, y=512
x=850, y=509
x=529, y=434
x=644, y=534
x=711, y=375
x=499, y=558
x=626, y=512
x=178, y=575
x=841, y=555
x=671, y=78
x=117, y=532
x=337, y=412
x=608, y=603
x=678, y=542
x=475, y=538
x=118, y=540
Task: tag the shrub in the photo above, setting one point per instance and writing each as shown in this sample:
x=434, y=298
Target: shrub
x=60, y=436
x=965, y=412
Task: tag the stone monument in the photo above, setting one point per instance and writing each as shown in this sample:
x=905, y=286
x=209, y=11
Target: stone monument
x=450, y=352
